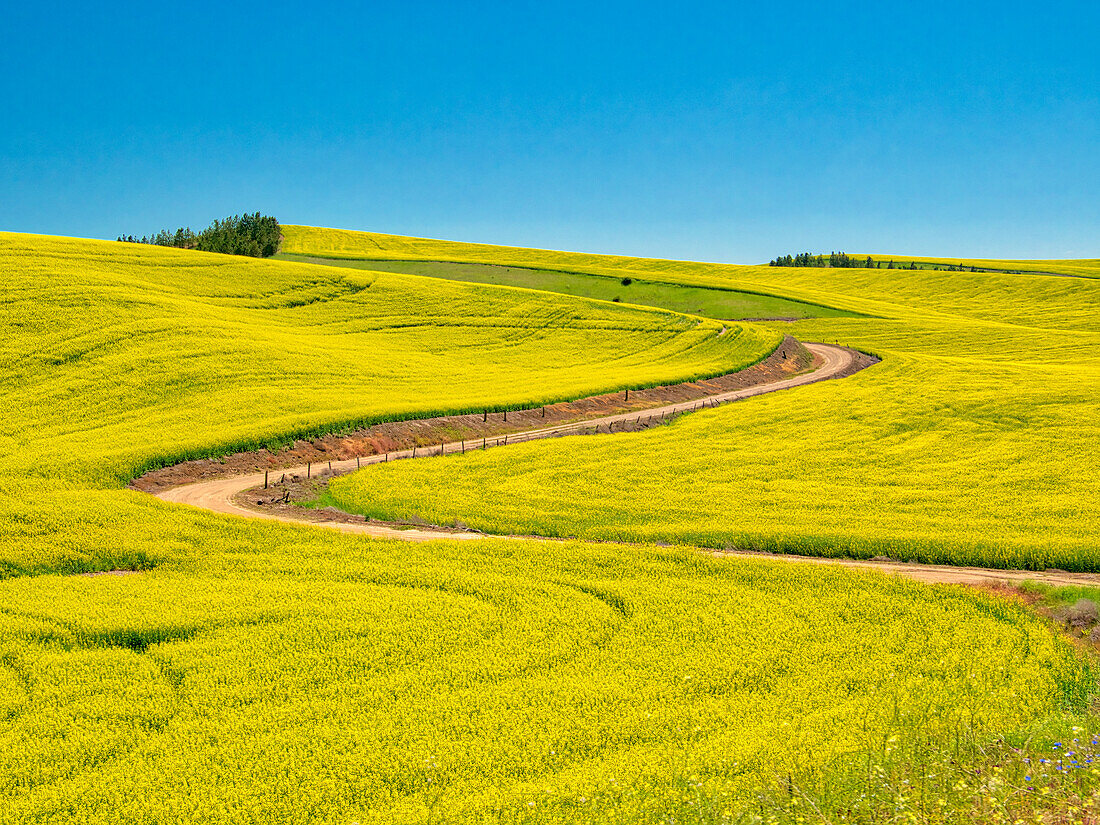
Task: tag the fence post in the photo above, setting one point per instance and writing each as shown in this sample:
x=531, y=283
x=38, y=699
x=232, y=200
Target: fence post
x=485, y=416
x=309, y=469
x=626, y=395
x=544, y=412
x=330, y=466
x=265, y=479
x=414, y=451
x=464, y=446
x=483, y=442
x=357, y=462
x=506, y=415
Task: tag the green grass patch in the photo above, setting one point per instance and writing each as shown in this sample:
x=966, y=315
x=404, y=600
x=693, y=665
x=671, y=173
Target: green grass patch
x=724, y=304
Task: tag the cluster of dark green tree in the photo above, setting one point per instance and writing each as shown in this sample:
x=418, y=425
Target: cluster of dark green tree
x=843, y=261
x=835, y=259
x=248, y=234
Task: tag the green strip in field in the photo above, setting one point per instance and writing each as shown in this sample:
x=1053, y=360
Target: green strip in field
x=723, y=304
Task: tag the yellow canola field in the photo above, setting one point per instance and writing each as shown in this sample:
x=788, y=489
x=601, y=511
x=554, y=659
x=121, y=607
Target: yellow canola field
x=268, y=673
x=118, y=356
x=352, y=245
x=281, y=674
x=1081, y=268
x=975, y=441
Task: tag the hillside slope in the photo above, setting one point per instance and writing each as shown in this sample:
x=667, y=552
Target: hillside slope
x=268, y=673
x=350, y=244
x=974, y=442
x=121, y=356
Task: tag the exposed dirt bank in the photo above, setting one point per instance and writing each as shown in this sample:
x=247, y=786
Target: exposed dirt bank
x=244, y=494
x=790, y=359
x=269, y=495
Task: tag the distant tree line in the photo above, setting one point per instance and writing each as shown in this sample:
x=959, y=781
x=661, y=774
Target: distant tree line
x=839, y=260
x=835, y=259
x=256, y=235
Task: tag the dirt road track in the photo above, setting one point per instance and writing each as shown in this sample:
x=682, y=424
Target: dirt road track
x=220, y=495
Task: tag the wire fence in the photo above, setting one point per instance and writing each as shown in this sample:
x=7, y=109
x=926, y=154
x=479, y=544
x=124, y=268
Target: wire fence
x=626, y=422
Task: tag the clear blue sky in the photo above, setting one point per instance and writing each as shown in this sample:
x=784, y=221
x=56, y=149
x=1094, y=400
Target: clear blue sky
x=716, y=131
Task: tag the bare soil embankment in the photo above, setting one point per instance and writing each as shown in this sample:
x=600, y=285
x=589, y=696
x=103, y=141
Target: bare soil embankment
x=259, y=493
x=243, y=494
x=789, y=359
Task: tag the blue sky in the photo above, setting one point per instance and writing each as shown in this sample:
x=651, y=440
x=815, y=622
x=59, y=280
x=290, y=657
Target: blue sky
x=710, y=131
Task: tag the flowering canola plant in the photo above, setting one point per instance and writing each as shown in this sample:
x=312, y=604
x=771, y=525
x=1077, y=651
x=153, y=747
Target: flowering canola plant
x=258, y=672
x=122, y=356
x=277, y=673
x=974, y=442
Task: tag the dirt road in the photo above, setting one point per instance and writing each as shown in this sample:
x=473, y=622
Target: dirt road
x=218, y=494
x=223, y=495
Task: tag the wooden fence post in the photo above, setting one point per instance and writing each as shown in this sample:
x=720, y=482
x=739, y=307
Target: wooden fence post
x=309, y=469
x=414, y=451
x=626, y=395
x=357, y=462
x=265, y=479
x=483, y=442
x=485, y=416
x=506, y=416
x=464, y=446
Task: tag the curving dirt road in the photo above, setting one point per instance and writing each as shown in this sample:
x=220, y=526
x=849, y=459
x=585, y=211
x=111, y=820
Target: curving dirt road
x=219, y=495
x=223, y=495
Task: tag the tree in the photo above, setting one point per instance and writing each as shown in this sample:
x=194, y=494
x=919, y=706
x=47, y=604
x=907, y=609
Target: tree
x=253, y=234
